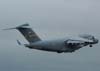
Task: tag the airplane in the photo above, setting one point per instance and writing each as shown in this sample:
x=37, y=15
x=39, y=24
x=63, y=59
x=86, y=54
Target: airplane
x=65, y=45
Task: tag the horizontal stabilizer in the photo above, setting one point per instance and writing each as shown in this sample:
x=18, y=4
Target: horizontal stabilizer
x=9, y=28
x=27, y=32
x=21, y=26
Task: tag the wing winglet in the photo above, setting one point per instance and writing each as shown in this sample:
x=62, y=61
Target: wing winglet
x=19, y=43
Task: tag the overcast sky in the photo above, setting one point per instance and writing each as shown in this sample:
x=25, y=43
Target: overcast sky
x=50, y=19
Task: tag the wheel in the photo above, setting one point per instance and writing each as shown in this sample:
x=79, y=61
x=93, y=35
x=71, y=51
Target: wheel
x=59, y=52
x=91, y=46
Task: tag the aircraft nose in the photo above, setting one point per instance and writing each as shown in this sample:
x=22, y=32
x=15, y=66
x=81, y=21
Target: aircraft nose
x=97, y=41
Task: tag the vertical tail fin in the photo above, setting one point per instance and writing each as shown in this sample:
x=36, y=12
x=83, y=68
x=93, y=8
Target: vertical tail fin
x=27, y=32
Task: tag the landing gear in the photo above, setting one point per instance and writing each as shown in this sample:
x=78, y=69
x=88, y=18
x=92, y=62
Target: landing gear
x=90, y=45
x=59, y=52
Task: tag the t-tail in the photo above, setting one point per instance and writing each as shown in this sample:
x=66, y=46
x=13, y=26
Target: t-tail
x=27, y=32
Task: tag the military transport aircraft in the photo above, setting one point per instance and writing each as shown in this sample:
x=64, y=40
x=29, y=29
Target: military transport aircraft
x=59, y=45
